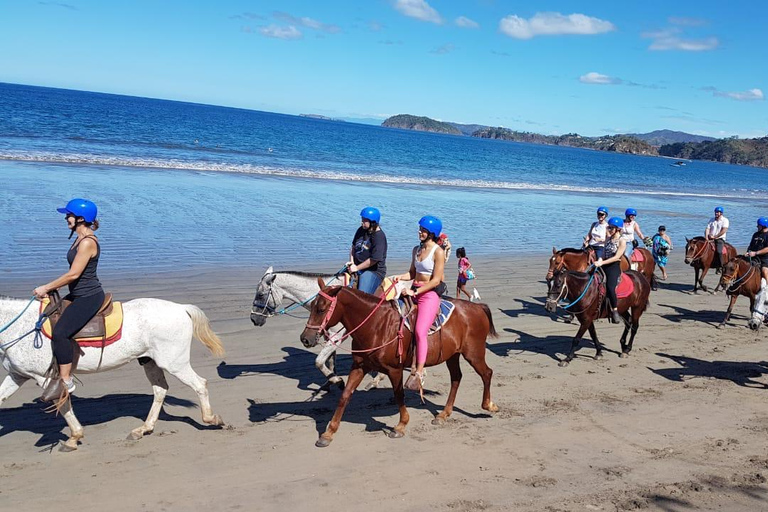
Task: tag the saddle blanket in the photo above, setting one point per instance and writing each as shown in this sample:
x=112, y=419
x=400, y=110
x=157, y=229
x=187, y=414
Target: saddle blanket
x=113, y=323
x=624, y=288
x=446, y=310
x=637, y=256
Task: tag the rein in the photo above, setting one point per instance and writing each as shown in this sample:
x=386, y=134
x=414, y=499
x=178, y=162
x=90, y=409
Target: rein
x=269, y=311
x=742, y=278
x=699, y=254
x=586, y=288
x=37, y=329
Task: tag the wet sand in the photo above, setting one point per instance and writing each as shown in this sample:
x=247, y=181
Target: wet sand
x=679, y=425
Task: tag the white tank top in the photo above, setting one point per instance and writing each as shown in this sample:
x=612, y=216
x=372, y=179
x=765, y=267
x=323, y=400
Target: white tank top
x=628, y=231
x=427, y=265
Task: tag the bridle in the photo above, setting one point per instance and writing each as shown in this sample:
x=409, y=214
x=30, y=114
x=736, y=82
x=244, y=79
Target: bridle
x=268, y=311
x=697, y=255
x=742, y=279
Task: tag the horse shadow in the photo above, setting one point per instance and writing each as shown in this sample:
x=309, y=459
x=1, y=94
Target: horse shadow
x=707, y=316
x=297, y=364
x=31, y=417
x=739, y=372
x=528, y=307
x=362, y=409
x=549, y=346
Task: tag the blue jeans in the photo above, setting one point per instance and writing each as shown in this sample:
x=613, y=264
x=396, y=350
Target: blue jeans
x=368, y=282
x=599, y=251
x=629, y=250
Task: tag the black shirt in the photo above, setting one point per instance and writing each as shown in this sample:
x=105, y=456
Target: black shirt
x=759, y=241
x=373, y=246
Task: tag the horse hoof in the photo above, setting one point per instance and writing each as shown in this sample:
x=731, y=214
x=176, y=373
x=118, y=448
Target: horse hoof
x=340, y=384
x=720, y=326
x=216, y=421
x=323, y=442
x=438, y=421
x=598, y=357
x=562, y=364
x=135, y=435
x=624, y=355
x=68, y=446
x=492, y=407
x=396, y=434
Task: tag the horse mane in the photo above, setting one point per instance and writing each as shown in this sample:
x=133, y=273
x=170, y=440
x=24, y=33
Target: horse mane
x=301, y=273
x=697, y=239
x=570, y=250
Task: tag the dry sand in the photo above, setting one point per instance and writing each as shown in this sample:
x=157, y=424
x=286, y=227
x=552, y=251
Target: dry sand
x=680, y=425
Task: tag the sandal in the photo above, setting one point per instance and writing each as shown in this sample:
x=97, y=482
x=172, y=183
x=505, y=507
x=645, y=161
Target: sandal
x=415, y=381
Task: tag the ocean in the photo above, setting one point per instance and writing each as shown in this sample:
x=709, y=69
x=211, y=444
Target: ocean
x=187, y=185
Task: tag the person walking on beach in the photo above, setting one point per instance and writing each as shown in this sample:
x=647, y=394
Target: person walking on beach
x=426, y=272
x=611, y=264
x=85, y=291
x=628, y=230
x=596, y=236
x=445, y=244
x=466, y=273
x=758, y=247
x=368, y=256
x=662, y=244
x=717, y=227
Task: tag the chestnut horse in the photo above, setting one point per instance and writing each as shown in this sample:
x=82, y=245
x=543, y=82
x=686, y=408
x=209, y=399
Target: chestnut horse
x=580, y=259
x=587, y=293
x=700, y=254
x=739, y=277
x=381, y=343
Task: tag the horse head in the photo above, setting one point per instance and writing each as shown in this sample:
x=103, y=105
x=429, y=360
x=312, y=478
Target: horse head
x=694, y=248
x=729, y=274
x=268, y=298
x=555, y=262
x=324, y=311
x=557, y=290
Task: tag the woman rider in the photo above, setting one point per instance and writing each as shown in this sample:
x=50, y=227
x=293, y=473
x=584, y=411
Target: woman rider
x=628, y=230
x=596, y=236
x=611, y=264
x=368, y=256
x=85, y=291
x=427, y=267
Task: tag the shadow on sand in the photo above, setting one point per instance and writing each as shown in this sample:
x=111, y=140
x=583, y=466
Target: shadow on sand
x=739, y=372
x=707, y=316
x=547, y=345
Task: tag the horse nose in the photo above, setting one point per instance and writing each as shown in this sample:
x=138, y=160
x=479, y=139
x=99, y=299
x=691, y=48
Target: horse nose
x=257, y=320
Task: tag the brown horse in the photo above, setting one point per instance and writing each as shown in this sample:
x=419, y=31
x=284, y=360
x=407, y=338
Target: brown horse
x=586, y=293
x=700, y=254
x=739, y=277
x=580, y=259
x=380, y=343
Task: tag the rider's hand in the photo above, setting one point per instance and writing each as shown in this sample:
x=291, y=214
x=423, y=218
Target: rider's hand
x=408, y=292
x=352, y=268
x=599, y=262
x=751, y=253
x=40, y=292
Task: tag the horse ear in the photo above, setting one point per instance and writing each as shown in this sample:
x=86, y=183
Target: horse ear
x=271, y=278
x=269, y=271
x=554, y=250
x=320, y=282
x=687, y=240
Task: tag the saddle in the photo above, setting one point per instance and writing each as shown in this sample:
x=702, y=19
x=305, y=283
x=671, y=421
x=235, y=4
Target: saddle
x=444, y=314
x=103, y=329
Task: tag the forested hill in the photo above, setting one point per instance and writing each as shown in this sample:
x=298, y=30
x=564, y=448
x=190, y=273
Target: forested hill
x=420, y=123
x=615, y=143
x=732, y=151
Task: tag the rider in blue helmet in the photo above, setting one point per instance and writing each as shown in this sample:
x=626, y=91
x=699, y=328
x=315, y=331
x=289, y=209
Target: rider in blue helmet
x=368, y=255
x=758, y=247
x=85, y=292
x=628, y=230
x=611, y=263
x=595, y=238
x=716, y=232
x=427, y=273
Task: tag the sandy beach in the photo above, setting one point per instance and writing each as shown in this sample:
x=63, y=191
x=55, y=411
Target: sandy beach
x=679, y=425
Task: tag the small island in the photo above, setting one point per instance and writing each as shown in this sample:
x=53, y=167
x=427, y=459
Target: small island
x=324, y=118
x=421, y=124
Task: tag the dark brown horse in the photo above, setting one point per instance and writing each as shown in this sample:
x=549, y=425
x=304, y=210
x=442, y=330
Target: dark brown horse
x=585, y=293
x=580, y=259
x=739, y=277
x=700, y=254
x=380, y=343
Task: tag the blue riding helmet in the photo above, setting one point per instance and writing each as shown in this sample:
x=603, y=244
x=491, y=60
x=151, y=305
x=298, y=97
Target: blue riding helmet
x=616, y=222
x=431, y=224
x=762, y=222
x=719, y=209
x=630, y=211
x=602, y=209
x=370, y=213
x=80, y=208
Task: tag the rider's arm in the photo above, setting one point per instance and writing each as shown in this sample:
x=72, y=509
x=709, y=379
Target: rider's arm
x=639, y=231
x=438, y=273
x=85, y=251
x=722, y=232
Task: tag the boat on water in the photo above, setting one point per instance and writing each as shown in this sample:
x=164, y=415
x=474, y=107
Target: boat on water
x=679, y=163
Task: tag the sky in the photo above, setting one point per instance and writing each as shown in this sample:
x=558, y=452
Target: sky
x=597, y=67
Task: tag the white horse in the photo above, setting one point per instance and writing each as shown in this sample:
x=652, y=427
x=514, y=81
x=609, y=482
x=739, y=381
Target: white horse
x=761, y=307
x=300, y=288
x=152, y=328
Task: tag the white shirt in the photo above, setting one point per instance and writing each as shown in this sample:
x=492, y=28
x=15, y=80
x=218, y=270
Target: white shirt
x=716, y=225
x=597, y=233
x=628, y=232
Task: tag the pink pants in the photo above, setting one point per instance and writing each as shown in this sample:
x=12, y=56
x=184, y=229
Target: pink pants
x=429, y=306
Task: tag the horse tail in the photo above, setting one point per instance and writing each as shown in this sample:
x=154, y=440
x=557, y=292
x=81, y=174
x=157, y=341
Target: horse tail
x=203, y=331
x=492, y=333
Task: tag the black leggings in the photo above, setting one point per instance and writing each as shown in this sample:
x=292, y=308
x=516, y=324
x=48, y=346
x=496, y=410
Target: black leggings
x=612, y=273
x=72, y=320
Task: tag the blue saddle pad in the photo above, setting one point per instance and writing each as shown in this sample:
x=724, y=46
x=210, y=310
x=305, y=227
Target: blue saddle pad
x=446, y=310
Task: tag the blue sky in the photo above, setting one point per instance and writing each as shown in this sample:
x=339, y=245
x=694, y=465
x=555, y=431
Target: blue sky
x=550, y=67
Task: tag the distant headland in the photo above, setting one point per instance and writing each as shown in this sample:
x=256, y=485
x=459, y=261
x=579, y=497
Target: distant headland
x=667, y=143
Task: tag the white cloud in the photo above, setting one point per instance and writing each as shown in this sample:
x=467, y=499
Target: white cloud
x=689, y=22
x=553, y=23
x=670, y=39
x=749, y=95
x=419, y=9
x=599, y=79
x=288, y=33
x=306, y=22
x=464, y=22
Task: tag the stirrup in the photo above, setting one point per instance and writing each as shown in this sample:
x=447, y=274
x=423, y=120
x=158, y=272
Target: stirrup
x=415, y=382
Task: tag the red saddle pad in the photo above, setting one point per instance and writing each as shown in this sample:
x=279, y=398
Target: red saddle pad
x=638, y=256
x=625, y=287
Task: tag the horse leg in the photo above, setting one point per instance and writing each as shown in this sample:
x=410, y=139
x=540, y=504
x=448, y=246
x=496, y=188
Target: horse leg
x=156, y=377
x=355, y=377
x=188, y=376
x=695, y=278
x=574, y=345
x=396, y=378
x=75, y=428
x=623, y=341
x=730, y=308
x=455, y=370
x=10, y=385
x=635, y=324
x=598, y=345
x=326, y=363
x=703, y=275
x=477, y=361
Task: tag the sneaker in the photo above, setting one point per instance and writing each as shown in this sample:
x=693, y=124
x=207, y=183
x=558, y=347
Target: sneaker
x=70, y=384
x=475, y=295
